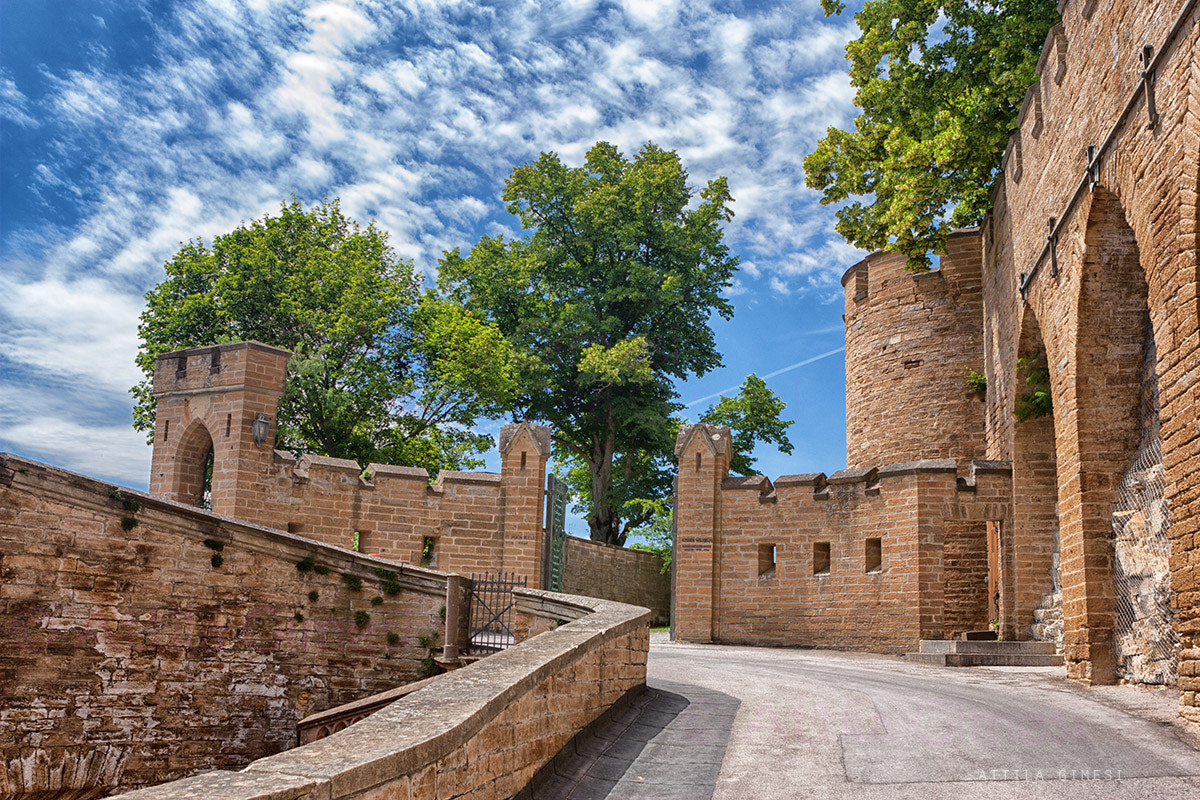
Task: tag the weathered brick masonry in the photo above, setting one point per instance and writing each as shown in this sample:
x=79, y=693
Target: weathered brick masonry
x=910, y=339
x=129, y=658
x=1124, y=253
x=593, y=569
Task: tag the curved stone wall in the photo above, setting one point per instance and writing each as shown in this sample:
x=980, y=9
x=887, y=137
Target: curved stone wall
x=480, y=731
x=910, y=338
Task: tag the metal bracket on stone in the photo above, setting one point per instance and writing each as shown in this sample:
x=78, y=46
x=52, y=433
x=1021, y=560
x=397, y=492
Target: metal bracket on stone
x=1052, y=238
x=1093, y=165
x=1023, y=285
x=1148, y=83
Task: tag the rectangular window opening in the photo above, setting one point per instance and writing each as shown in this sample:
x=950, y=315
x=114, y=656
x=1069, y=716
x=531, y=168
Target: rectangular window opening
x=820, y=558
x=874, y=555
x=428, y=554
x=766, y=560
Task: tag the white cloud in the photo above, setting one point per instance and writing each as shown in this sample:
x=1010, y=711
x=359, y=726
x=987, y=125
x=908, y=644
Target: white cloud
x=413, y=113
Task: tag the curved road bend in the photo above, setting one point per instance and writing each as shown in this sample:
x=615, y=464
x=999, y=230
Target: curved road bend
x=736, y=723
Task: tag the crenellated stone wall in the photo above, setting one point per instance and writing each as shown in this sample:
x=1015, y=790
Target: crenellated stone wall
x=864, y=559
x=464, y=522
x=910, y=340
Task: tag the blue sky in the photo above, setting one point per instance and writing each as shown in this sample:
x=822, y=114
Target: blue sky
x=128, y=127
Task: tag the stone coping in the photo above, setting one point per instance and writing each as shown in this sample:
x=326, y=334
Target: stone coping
x=73, y=487
x=425, y=726
x=866, y=475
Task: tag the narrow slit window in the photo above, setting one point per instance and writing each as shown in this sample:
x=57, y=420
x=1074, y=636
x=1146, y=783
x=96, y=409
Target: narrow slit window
x=820, y=558
x=874, y=555
x=766, y=559
x=428, y=554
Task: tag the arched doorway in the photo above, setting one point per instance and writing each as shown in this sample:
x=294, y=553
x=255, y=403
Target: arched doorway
x=1123, y=546
x=1031, y=602
x=194, y=462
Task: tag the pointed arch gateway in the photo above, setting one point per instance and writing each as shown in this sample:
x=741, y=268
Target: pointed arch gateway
x=1031, y=592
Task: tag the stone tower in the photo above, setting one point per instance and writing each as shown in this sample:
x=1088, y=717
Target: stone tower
x=220, y=399
x=910, y=339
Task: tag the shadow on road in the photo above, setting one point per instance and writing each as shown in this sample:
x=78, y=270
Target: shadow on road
x=666, y=742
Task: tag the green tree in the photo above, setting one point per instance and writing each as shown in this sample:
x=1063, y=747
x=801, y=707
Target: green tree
x=939, y=84
x=753, y=417
x=381, y=371
x=606, y=300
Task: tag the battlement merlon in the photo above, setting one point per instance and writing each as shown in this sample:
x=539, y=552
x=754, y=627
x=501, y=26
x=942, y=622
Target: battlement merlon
x=221, y=367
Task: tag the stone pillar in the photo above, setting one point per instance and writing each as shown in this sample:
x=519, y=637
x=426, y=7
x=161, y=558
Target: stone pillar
x=458, y=597
x=210, y=397
x=703, y=452
x=524, y=451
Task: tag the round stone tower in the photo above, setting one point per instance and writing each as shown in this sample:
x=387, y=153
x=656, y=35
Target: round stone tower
x=910, y=340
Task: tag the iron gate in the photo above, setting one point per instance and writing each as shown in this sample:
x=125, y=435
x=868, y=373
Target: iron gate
x=556, y=532
x=491, y=615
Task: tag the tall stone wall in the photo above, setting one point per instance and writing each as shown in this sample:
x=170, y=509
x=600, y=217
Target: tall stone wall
x=1123, y=249
x=864, y=559
x=910, y=339
x=465, y=522
x=132, y=657
x=615, y=573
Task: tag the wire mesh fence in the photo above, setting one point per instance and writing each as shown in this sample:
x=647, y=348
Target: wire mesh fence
x=1146, y=644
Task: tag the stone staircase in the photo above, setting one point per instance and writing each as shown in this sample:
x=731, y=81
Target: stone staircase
x=1048, y=619
x=962, y=653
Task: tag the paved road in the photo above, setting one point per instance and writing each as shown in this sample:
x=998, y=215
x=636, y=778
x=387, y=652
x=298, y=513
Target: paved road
x=805, y=723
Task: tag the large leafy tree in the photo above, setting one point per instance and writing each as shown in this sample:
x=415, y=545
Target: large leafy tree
x=381, y=371
x=606, y=299
x=939, y=83
x=643, y=479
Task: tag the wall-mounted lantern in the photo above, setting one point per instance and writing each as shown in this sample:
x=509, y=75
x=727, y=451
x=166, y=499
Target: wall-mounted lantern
x=261, y=428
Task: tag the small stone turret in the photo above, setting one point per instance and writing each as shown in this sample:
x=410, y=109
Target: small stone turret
x=221, y=399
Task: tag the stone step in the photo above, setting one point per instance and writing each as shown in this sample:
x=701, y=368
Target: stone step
x=958, y=646
x=987, y=659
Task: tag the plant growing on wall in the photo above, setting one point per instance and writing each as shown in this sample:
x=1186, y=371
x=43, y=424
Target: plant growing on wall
x=1035, y=400
x=976, y=381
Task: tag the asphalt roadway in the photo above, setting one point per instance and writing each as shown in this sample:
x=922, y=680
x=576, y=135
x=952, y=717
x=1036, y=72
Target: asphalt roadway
x=742, y=722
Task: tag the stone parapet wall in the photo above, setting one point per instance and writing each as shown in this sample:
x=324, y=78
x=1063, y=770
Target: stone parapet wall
x=910, y=339
x=616, y=573
x=130, y=658
x=479, y=732
x=793, y=562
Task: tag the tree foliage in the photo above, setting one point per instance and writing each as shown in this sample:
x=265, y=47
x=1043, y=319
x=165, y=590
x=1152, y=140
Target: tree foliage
x=606, y=300
x=642, y=485
x=381, y=371
x=753, y=417
x=939, y=83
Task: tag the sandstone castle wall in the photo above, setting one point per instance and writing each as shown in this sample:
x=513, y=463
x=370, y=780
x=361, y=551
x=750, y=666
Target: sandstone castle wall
x=910, y=339
x=130, y=658
x=864, y=559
